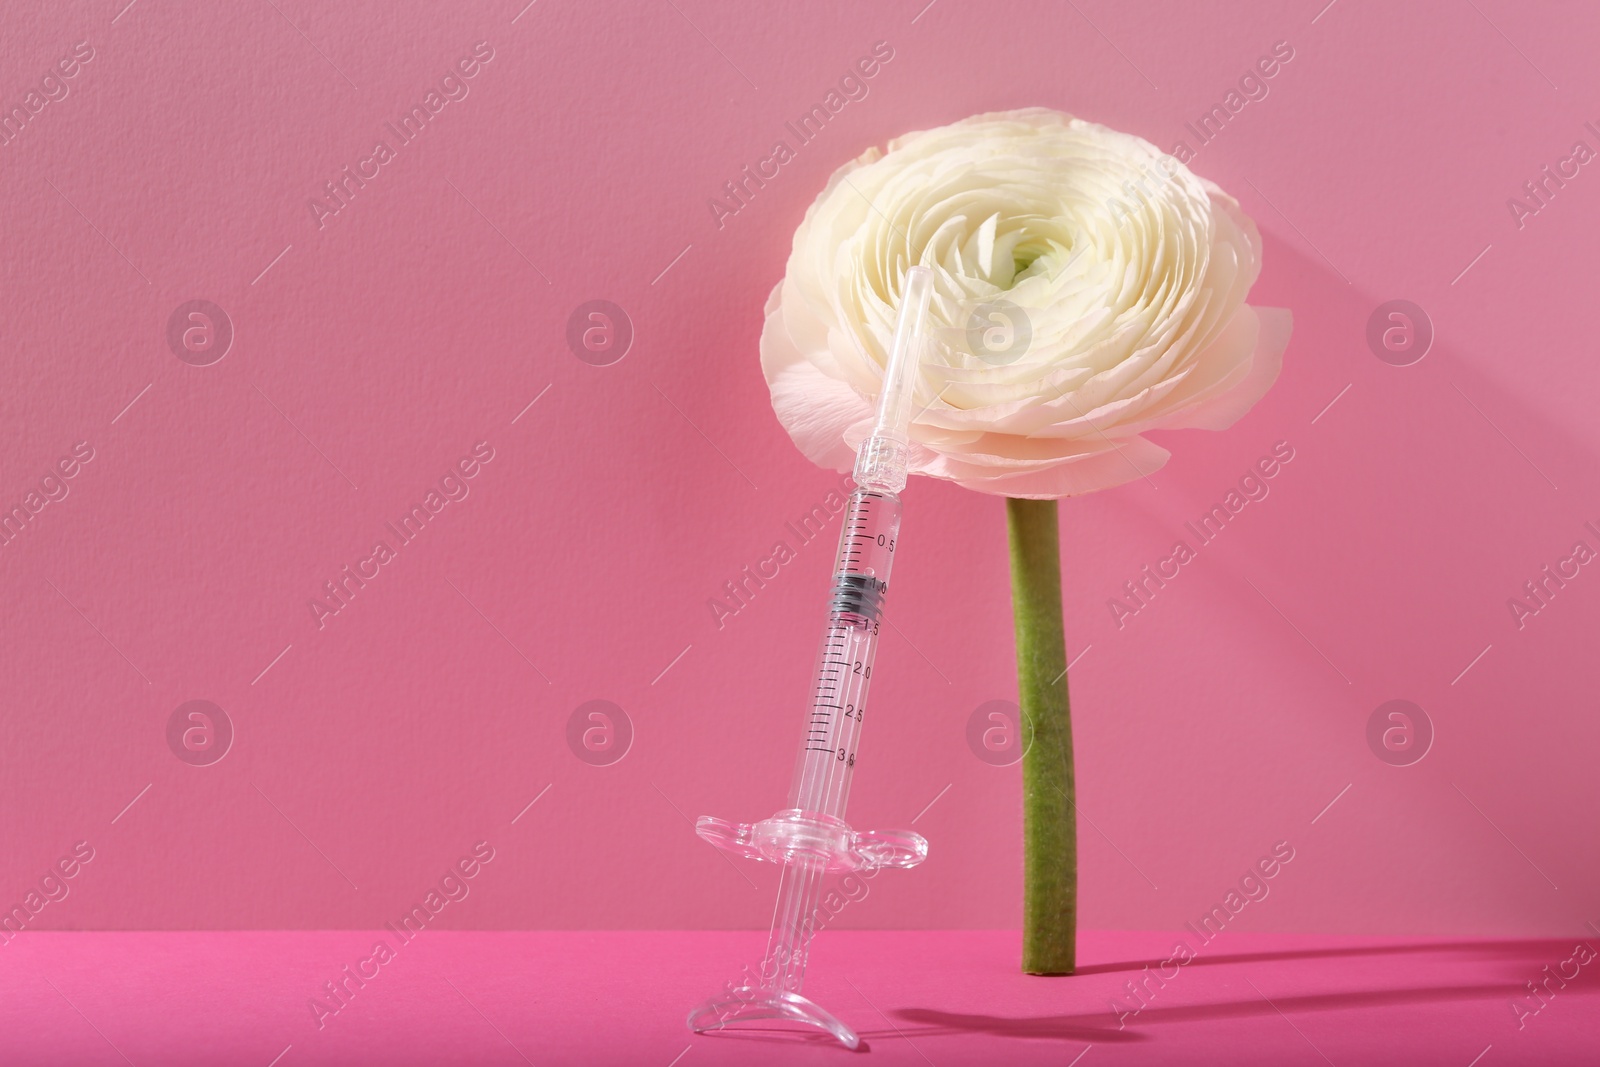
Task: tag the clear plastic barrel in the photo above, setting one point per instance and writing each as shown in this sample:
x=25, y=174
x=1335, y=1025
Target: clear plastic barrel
x=829, y=748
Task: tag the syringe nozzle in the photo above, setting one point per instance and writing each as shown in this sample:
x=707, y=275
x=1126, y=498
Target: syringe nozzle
x=881, y=460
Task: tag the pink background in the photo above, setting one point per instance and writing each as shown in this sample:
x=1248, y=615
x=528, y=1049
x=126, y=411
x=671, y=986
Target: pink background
x=426, y=315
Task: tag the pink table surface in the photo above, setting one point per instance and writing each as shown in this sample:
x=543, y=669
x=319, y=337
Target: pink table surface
x=917, y=998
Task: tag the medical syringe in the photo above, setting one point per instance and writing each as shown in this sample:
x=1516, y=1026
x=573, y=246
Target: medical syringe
x=810, y=837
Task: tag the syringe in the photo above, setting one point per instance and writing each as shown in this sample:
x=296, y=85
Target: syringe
x=810, y=837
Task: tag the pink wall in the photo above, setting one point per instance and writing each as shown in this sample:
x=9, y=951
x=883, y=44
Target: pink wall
x=380, y=348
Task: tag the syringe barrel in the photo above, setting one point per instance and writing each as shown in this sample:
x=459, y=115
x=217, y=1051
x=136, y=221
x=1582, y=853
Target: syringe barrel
x=828, y=746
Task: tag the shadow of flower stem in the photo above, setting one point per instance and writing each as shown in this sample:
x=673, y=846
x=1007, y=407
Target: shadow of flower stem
x=1050, y=838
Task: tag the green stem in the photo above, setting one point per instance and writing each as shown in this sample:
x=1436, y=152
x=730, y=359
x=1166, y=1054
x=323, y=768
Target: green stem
x=1050, y=835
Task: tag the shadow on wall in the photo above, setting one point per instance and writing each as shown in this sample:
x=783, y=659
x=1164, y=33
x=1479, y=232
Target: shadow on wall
x=1421, y=497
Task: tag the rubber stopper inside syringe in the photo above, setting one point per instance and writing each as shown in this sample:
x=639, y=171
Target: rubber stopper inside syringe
x=858, y=594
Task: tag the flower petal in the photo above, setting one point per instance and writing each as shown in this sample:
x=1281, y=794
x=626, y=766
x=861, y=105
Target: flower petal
x=814, y=408
x=1120, y=279
x=1223, y=407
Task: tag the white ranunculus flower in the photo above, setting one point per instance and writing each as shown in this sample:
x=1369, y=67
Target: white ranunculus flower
x=1087, y=288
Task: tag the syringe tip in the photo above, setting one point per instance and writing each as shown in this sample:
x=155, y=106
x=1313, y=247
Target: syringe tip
x=881, y=461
